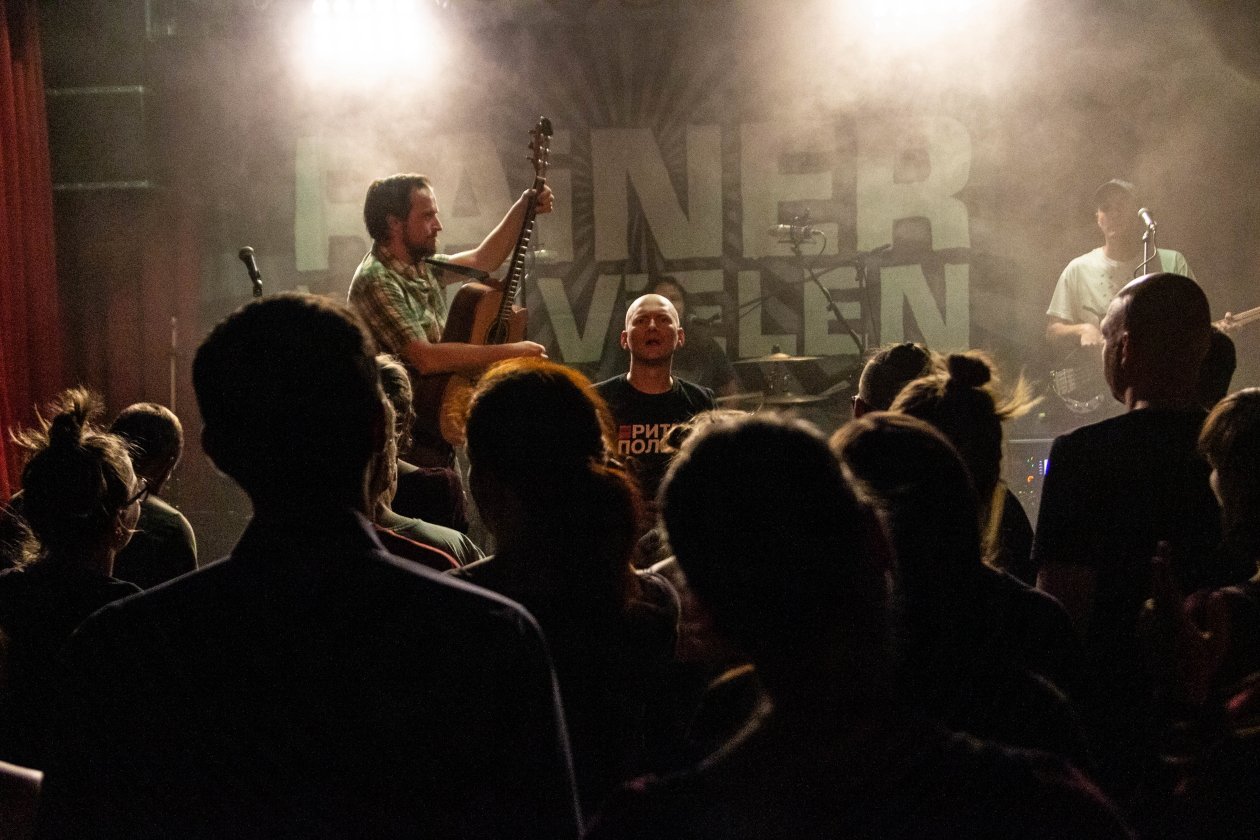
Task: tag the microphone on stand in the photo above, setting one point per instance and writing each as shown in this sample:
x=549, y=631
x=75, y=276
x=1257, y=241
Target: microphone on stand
x=1147, y=218
x=794, y=233
x=246, y=256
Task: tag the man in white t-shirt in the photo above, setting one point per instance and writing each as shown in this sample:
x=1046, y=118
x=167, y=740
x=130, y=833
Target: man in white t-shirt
x=1090, y=281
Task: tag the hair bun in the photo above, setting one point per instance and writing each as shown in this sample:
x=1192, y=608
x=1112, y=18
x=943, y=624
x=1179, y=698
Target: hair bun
x=968, y=371
x=66, y=428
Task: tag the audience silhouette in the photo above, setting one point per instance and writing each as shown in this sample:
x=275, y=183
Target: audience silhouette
x=565, y=517
x=832, y=753
x=309, y=684
x=81, y=501
x=878, y=671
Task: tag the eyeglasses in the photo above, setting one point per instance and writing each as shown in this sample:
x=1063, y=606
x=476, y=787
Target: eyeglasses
x=141, y=494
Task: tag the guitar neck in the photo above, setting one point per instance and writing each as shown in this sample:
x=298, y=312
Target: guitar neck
x=516, y=266
x=1241, y=319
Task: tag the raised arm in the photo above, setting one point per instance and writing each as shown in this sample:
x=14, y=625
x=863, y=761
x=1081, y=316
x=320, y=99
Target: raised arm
x=498, y=244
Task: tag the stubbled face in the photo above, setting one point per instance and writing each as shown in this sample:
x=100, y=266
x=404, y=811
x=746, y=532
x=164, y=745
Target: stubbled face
x=653, y=331
x=421, y=227
x=1114, y=337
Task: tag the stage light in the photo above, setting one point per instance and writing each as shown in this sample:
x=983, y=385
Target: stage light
x=913, y=24
x=360, y=43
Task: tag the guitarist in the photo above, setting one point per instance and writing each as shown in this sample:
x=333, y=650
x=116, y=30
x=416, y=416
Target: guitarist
x=1090, y=281
x=399, y=296
x=1085, y=289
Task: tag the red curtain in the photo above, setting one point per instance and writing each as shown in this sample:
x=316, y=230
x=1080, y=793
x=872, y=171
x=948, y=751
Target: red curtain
x=30, y=334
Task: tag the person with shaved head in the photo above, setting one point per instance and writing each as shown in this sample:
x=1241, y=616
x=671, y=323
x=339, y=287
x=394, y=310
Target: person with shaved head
x=648, y=401
x=1114, y=491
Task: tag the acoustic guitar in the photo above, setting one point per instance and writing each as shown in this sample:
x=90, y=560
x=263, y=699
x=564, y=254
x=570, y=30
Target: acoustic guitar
x=483, y=314
x=1080, y=383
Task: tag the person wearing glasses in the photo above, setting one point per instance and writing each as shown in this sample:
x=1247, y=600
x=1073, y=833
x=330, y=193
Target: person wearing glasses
x=81, y=502
x=164, y=546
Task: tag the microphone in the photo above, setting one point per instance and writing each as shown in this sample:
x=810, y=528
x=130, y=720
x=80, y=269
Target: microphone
x=1146, y=217
x=447, y=265
x=704, y=322
x=798, y=233
x=246, y=256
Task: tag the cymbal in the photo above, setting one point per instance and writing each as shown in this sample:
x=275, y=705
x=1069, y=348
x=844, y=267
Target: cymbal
x=794, y=399
x=776, y=358
x=737, y=398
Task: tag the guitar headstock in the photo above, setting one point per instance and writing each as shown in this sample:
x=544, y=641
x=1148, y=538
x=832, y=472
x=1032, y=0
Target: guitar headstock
x=540, y=146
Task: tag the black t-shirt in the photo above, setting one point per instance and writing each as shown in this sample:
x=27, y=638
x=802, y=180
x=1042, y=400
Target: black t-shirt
x=644, y=422
x=1113, y=490
x=895, y=779
x=610, y=663
x=40, y=607
x=309, y=686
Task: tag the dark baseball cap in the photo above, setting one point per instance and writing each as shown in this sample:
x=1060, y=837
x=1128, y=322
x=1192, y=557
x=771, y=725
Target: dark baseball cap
x=1113, y=188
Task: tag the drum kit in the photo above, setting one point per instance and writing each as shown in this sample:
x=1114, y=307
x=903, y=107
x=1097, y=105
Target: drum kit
x=781, y=381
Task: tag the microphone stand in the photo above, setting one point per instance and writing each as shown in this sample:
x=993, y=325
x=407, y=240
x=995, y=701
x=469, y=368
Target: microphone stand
x=860, y=261
x=795, y=245
x=1149, y=250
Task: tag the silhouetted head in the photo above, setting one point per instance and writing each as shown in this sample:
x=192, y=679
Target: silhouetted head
x=960, y=400
x=156, y=437
x=291, y=401
x=80, y=493
x=887, y=372
x=1157, y=331
x=1230, y=441
x=532, y=416
x=774, y=543
x=540, y=444
x=911, y=471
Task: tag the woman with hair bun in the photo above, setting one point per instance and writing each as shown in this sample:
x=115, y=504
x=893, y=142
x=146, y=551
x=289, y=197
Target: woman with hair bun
x=81, y=501
x=962, y=401
x=565, y=517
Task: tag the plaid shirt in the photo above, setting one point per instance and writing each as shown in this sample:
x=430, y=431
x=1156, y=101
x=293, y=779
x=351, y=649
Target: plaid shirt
x=400, y=303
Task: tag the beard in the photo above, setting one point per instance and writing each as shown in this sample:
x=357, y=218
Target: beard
x=419, y=251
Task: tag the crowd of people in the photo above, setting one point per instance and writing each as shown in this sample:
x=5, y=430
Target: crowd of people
x=747, y=629
x=839, y=641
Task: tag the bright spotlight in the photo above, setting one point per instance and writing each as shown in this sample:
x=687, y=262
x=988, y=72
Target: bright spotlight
x=911, y=24
x=360, y=43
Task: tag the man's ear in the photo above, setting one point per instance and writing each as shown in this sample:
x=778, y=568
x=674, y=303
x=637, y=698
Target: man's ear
x=1124, y=350
x=625, y=340
x=682, y=338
